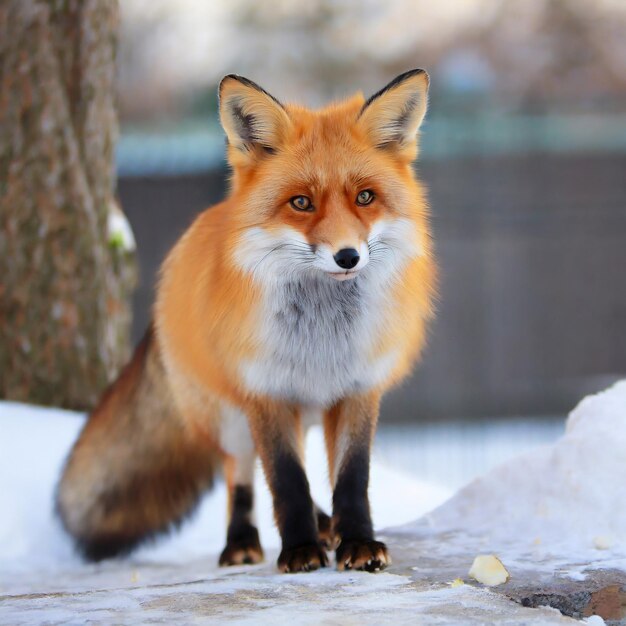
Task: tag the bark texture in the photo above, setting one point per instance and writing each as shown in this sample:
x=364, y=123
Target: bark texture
x=65, y=281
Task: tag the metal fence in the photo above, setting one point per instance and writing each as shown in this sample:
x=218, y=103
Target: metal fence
x=532, y=249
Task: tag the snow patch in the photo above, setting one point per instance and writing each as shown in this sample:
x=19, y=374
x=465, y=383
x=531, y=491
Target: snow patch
x=556, y=511
x=557, y=503
x=34, y=442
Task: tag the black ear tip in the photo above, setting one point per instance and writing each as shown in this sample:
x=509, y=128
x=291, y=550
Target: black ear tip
x=398, y=80
x=410, y=74
x=247, y=83
x=228, y=78
x=240, y=79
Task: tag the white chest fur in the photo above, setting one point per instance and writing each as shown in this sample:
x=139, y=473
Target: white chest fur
x=316, y=341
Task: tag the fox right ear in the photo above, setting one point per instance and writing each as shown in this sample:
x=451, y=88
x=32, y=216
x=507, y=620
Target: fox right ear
x=392, y=117
x=251, y=117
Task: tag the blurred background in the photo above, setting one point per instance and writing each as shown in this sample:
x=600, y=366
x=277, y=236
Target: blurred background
x=523, y=153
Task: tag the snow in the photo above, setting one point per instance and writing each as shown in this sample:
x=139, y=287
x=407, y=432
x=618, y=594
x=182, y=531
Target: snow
x=34, y=442
x=558, y=504
x=119, y=229
x=555, y=511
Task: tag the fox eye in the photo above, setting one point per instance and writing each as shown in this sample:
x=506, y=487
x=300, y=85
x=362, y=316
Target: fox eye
x=364, y=197
x=301, y=203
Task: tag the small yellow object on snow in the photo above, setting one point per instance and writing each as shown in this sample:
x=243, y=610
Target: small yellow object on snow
x=457, y=582
x=603, y=542
x=488, y=570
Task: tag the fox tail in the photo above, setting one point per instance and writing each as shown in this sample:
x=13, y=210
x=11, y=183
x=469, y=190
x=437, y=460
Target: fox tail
x=135, y=471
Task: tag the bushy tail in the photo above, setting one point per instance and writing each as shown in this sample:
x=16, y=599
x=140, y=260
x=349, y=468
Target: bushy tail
x=134, y=471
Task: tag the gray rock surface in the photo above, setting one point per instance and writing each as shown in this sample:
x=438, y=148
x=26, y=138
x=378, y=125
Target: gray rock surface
x=415, y=589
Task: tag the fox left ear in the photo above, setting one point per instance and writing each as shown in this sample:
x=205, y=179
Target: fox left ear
x=394, y=114
x=251, y=117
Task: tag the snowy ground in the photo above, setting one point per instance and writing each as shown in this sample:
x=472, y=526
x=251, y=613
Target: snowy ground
x=560, y=502
x=35, y=441
x=552, y=515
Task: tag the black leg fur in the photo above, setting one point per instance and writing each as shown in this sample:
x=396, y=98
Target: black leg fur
x=242, y=540
x=351, y=515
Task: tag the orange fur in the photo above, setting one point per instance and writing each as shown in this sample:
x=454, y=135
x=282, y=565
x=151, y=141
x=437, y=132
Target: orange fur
x=257, y=324
x=207, y=309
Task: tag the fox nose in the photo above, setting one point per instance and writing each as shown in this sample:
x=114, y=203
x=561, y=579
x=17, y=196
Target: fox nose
x=347, y=258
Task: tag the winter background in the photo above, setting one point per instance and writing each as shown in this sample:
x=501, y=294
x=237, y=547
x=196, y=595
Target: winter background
x=552, y=512
x=523, y=154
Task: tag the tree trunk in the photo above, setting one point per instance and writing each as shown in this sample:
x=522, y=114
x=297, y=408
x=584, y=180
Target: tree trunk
x=65, y=278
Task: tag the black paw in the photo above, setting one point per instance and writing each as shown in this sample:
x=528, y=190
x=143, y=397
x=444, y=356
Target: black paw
x=244, y=549
x=304, y=558
x=361, y=554
x=328, y=539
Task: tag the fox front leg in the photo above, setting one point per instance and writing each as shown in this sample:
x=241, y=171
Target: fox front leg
x=242, y=539
x=349, y=429
x=275, y=431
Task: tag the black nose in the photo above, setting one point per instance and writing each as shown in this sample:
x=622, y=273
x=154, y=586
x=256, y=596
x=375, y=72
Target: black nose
x=347, y=258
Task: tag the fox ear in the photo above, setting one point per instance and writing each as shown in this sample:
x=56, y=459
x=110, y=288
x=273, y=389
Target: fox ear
x=393, y=116
x=250, y=116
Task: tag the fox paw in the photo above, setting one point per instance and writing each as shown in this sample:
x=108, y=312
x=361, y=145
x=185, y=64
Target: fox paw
x=328, y=539
x=367, y=555
x=304, y=558
x=245, y=550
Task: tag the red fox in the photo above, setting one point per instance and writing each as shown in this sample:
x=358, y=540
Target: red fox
x=304, y=295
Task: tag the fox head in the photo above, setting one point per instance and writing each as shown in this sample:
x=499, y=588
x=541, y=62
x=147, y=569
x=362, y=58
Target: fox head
x=329, y=192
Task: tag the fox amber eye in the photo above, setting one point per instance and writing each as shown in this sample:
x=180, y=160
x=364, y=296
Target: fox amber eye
x=301, y=203
x=365, y=197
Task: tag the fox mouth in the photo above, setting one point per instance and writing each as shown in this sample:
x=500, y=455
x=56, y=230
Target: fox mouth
x=347, y=275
